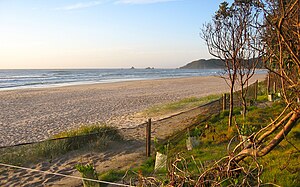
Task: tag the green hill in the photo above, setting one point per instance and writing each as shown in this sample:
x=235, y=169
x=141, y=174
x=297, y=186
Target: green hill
x=204, y=64
x=211, y=64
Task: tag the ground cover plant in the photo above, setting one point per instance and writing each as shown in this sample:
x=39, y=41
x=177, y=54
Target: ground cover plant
x=92, y=137
x=216, y=141
x=214, y=138
x=178, y=106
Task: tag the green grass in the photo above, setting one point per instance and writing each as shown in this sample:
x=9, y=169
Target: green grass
x=281, y=166
x=97, y=128
x=93, y=137
x=178, y=106
x=145, y=169
x=112, y=175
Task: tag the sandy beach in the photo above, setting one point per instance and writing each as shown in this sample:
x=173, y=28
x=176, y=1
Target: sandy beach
x=28, y=115
x=34, y=114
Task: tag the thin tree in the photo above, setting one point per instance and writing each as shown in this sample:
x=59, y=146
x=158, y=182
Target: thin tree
x=230, y=37
x=220, y=37
x=250, y=51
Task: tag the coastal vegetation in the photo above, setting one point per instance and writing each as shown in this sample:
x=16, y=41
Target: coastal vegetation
x=185, y=167
x=92, y=137
x=254, y=148
x=178, y=106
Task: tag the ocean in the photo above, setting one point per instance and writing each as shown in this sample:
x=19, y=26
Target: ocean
x=18, y=79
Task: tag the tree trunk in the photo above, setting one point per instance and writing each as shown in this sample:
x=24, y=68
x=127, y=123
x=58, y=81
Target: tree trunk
x=268, y=83
x=244, y=103
x=230, y=107
x=263, y=150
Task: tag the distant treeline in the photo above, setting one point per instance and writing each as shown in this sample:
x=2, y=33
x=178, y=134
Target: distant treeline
x=211, y=64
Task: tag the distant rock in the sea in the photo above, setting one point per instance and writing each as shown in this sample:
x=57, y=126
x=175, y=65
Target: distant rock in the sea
x=149, y=68
x=204, y=64
x=132, y=67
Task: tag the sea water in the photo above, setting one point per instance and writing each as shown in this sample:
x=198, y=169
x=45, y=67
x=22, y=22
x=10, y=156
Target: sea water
x=17, y=79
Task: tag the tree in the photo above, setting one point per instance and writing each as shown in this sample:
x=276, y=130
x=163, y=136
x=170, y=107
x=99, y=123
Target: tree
x=219, y=36
x=282, y=41
x=250, y=51
x=232, y=37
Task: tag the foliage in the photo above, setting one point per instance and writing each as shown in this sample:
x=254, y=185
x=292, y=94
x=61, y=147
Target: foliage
x=112, y=175
x=282, y=38
x=246, y=130
x=233, y=37
x=186, y=168
x=97, y=128
x=278, y=39
x=178, y=106
x=94, y=137
x=196, y=132
x=88, y=171
x=160, y=148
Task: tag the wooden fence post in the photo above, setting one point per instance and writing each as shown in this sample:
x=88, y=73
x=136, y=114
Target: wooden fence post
x=255, y=89
x=148, y=138
x=268, y=83
x=224, y=101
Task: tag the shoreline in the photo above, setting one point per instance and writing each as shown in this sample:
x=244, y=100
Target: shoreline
x=37, y=85
x=95, y=83
x=30, y=115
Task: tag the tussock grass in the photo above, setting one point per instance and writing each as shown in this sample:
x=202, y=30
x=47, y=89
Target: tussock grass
x=97, y=128
x=94, y=137
x=178, y=106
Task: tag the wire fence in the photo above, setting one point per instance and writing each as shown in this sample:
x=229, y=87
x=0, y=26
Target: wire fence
x=64, y=175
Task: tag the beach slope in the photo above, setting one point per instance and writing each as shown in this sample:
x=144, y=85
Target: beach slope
x=28, y=115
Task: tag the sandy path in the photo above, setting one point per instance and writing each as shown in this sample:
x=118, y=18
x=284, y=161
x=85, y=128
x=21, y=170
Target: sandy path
x=28, y=115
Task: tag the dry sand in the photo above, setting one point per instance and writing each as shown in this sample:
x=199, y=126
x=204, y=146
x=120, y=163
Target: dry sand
x=28, y=115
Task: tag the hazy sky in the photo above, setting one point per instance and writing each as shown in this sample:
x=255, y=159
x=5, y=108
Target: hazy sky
x=102, y=33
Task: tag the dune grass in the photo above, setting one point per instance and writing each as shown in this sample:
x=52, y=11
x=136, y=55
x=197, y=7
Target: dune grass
x=93, y=137
x=178, y=106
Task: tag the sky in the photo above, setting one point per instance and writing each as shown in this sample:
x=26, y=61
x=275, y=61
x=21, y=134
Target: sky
x=42, y=34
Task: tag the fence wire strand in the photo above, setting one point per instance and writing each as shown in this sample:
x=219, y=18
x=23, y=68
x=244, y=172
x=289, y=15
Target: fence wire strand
x=63, y=175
